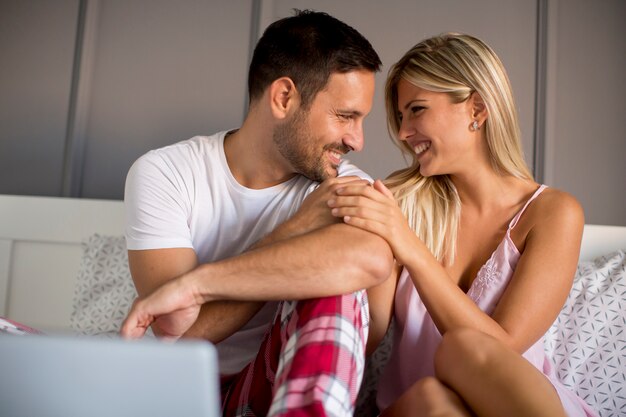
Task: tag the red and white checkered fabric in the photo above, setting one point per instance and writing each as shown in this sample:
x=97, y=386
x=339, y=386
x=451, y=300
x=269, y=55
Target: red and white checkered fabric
x=311, y=361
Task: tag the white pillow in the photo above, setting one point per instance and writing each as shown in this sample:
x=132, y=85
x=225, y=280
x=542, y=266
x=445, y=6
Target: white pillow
x=104, y=289
x=587, y=342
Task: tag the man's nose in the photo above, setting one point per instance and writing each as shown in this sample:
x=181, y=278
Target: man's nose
x=355, y=139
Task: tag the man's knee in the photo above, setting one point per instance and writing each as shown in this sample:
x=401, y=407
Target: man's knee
x=347, y=314
x=352, y=306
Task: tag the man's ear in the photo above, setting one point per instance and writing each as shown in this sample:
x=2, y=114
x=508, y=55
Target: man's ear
x=284, y=97
x=479, y=109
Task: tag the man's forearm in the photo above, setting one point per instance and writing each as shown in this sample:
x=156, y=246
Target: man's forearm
x=220, y=319
x=337, y=259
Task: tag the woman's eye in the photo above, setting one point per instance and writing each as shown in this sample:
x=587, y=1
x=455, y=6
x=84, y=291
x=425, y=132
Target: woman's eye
x=416, y=109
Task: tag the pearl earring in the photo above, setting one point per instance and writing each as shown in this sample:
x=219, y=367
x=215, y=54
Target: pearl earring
x=475, y=125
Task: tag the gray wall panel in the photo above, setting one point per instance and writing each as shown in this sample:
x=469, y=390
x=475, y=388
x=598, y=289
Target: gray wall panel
x=163, y=72
x=156, y=72
x=507, y=25
x=588, y=149
x=37, y=52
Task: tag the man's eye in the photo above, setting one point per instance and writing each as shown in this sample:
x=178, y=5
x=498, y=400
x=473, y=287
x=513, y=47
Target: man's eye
x=345, y=116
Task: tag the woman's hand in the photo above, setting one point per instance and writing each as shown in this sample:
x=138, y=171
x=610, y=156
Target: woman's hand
x=313, y=213
x=174, y=307
x=374, y=209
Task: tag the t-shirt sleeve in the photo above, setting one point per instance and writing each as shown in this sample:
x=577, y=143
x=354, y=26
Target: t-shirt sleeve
x=346, y=169
x=157, y=207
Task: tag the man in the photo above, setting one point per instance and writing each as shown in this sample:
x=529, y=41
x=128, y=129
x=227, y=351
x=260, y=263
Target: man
x=204, y=209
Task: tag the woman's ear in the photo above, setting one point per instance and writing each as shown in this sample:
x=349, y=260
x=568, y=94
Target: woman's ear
x=479, y=110
x=283, y=97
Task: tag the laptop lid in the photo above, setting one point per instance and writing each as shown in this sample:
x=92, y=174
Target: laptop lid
x=79, y=377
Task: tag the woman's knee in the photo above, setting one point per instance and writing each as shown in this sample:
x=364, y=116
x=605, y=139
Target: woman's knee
x=429, y=397
x=463, y=350
x=427, y=388
x=426, y=397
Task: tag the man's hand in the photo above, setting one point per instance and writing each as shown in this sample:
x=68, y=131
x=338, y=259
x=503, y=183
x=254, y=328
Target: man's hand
x=314, y=212
x=174, y=307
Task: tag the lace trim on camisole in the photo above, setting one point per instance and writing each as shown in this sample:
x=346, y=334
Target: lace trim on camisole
x=490, y=273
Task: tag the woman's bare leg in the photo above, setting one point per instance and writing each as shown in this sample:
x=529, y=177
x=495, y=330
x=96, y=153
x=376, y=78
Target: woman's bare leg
x=492, y=379
x=427, y=397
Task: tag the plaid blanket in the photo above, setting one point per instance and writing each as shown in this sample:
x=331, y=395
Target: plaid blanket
x=310, y=363
x=8, y=326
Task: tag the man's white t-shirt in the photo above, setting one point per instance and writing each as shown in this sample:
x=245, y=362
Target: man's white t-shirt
x=184, y=196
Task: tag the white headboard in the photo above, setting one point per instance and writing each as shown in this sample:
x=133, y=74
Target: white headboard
x=599, y=240
x=40, y=252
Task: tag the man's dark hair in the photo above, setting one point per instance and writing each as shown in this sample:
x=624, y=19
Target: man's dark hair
x=308, y=47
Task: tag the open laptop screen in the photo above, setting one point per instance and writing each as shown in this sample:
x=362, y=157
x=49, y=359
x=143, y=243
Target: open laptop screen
x=71, y=377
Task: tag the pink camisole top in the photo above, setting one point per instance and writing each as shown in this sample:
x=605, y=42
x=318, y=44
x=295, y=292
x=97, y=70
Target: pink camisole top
x=416, y=338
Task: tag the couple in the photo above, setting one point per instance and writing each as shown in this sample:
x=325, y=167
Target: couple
x=469, y=255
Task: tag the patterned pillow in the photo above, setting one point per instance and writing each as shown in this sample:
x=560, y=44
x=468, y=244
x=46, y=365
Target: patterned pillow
x=374, y=365
x=104, y=289
x=587, y=342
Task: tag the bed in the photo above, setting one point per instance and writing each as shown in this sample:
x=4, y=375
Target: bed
x=63, y=269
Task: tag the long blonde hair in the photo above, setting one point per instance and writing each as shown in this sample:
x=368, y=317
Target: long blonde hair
x=458, y=65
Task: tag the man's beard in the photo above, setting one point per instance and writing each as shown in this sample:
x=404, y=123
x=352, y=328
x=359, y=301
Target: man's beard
x=296, y=144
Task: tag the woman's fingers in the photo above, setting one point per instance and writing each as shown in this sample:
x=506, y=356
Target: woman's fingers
x=360, y=207
x=366, y=218
x=363, y=211
x=362, y=203
x=381, y=187
x=358, y=189
x=358, y=195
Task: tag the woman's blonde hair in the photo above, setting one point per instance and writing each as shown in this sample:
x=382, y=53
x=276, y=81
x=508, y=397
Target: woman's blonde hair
x=458, y=65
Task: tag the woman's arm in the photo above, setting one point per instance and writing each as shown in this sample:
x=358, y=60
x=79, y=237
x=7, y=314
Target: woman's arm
x=381, y=303
x=545, y=271
x=536, y=292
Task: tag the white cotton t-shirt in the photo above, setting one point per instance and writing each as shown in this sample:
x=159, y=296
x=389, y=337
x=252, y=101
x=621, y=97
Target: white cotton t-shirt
x=184, y=196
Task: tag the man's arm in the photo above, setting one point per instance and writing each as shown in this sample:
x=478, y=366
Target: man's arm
x=219, y=319
x=336, y=259
x=332, y=260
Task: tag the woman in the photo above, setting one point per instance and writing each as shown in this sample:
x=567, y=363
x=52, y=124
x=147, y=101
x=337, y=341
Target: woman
x=486, y=256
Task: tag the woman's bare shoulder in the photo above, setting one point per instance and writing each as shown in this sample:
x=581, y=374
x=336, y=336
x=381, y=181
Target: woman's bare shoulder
x=556, y=209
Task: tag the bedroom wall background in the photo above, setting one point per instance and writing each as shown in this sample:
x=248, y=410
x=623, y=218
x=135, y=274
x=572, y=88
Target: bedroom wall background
x=89, y=85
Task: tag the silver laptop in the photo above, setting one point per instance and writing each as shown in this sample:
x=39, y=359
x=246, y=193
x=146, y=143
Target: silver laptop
x=43, y=376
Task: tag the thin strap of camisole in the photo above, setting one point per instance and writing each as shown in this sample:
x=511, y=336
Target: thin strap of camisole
x=518, y=215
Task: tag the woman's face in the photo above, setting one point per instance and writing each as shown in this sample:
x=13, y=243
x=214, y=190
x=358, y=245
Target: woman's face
x=437, y=129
